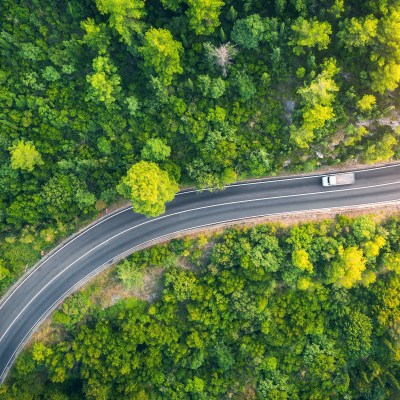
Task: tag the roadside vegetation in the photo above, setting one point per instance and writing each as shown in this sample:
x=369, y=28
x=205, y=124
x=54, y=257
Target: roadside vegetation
x=310, y=311
x=101, y=98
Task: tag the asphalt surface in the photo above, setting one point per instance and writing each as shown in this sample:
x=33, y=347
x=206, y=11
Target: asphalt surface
x=124, y=230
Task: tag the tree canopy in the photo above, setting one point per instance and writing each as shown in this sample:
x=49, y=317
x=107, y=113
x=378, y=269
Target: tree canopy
x=265, y=313
x=212, y=91
x=25, y=156
x=161, y=53
x=149, y=188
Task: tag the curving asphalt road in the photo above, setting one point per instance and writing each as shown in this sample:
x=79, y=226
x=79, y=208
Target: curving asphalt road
x=124, y=231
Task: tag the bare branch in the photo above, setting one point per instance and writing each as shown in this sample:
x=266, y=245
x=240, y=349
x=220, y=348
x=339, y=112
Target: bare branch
x=221, y=56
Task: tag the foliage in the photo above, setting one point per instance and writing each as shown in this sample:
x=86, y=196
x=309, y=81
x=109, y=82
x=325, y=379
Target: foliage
x=161, y=54
x=317, y=99
x=233, y=326
x=149, y=188
x=248, y=32
x=124, y=16
x=366, y=102
x=203, y=15
x=129, y=275
x=155, y=150
x=310, y=34
x=104, y=83
x=25, y=156
x=381, y=151
x=233, y=88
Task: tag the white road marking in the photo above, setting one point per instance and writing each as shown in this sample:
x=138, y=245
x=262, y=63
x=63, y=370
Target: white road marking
x=61, y=248
x=272, y=179
x=132, y=249
x=263, y=181
x=182, y=212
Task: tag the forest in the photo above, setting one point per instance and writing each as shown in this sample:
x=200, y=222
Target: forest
x=310, y=311
x=108, y=98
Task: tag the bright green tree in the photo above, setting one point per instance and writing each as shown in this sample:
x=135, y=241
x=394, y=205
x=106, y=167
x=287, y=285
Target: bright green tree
x=301, y=260
x=359, y=32
x=348, y=268
x=386, y=53
x=203, y=15
x=366, y=103
x=382, y=150
x=25, y=156
x=124, y=16
x=104, y=82
x=386, y=77
x=155, y=150
x=316, y=100
x=4, y=272
x=310, y=34
x=96, y=36
x=130, y=275
x=161, y=54
x=149, y=188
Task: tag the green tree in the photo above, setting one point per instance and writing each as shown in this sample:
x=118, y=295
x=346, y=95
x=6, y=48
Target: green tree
x=96, y=36
x=40, y=352
x=171, y=4
x=301, y=260
x=4, y=272
x=133, y=105
x=84, y=200
x=258, y=162
x=363, y=229
x=155, y=150
x=25, y=209
x=337, y=8
x=316, y=99
x=245, y=86
x=386, y=77
x=124, y=16
x=386, y=53
x=357, y=334
x=104, y=82
x=348, y=268
x=130, y=275
x=161, y=54
x=366, y=103
x=50, y=74
x=310, y=34
x=248, y=32
x=204, y=84
x=382, y=150
x=203, y=15
x=64, y=195
x=25, y=156
x=149, y=188
x=217, y=88
x=359, y=32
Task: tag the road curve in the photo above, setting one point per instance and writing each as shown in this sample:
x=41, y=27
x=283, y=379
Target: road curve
x=124, y=231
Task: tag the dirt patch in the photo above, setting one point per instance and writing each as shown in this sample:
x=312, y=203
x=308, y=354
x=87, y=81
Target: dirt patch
x=111, y=291
x=152, y=285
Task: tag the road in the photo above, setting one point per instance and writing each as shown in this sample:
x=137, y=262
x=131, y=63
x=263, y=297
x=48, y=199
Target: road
x=122, y=232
